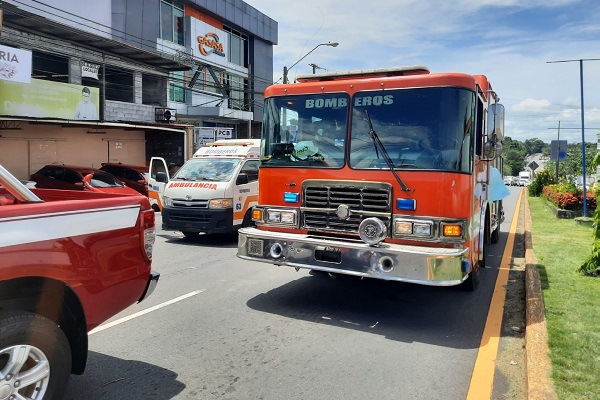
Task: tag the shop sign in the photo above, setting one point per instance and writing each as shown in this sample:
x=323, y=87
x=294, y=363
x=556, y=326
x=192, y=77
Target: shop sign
x=15, y=64
x=89, y=70
x=210, y=44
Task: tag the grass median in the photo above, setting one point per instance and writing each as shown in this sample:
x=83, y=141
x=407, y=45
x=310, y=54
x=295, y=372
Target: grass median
x=571, y=299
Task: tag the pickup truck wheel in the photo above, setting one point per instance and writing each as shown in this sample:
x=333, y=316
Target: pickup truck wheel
x=35, y=357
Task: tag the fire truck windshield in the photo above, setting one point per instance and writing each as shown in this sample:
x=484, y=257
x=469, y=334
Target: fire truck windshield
x=306, y=130
x=423, y=128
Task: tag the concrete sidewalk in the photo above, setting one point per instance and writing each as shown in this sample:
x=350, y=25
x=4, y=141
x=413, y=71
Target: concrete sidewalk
x=538, y=365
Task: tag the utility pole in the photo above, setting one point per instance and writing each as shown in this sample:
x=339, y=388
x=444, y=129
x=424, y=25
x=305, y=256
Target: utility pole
x=315, y=67
x=558, y=138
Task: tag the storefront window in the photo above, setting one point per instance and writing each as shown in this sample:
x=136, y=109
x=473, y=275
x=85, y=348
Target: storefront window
x=237, y=47
x=177, y=86
x=49, y=67
x=119, y=84
x=236, y=85
x=171, y=21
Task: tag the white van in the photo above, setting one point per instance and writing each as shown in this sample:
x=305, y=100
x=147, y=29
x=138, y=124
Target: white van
x=213, y=192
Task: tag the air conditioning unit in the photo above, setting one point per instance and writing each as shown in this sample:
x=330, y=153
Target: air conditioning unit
x=165, y=115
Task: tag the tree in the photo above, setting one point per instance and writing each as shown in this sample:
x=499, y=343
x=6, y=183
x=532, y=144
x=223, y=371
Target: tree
x=534, y=146
x=572, y=166
x=514, y=156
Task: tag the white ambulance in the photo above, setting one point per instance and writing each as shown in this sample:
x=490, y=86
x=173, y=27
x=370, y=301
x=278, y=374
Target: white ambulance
x=213, y=192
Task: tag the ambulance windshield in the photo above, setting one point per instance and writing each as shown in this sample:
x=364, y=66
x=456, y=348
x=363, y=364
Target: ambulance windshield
x=307, y=130
x=207, y=169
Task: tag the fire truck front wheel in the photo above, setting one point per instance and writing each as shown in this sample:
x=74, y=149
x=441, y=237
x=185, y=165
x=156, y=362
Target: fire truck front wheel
x=474, y=276
x=473, y=280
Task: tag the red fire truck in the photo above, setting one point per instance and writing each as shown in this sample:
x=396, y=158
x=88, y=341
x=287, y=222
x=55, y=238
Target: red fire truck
x=386, y=175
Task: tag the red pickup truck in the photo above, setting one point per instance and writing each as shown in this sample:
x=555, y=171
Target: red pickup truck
x=69, y=260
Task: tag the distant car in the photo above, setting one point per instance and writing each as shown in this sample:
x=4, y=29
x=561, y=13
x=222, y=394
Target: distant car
x=508, y=180
x=71, y=177
x=524, y=182
x=134, y=176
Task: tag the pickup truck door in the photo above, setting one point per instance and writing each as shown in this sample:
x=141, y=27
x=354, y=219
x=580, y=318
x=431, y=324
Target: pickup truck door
x=157, y=168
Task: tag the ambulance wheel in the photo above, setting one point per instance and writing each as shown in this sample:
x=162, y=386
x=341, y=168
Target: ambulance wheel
x=190, y=235
x=247, y=222
x=35, y=357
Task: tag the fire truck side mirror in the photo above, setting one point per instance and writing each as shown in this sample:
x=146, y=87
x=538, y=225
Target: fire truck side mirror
x=492, y=148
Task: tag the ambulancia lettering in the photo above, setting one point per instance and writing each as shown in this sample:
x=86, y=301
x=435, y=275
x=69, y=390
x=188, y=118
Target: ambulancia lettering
x=327, y=103
x=200, y=185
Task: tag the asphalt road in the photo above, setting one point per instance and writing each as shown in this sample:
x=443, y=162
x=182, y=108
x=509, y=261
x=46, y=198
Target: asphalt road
x=218, y=327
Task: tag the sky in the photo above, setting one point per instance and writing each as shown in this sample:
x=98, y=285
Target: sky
x=515, y=43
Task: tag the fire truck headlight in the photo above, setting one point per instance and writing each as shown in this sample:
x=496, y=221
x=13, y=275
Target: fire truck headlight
x=403, y=228
x=372, y=231
x=422, y=229
x=273, y=216
x=281, y=217
x=220, y=203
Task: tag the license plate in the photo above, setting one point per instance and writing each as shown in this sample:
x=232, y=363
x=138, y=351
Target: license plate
x=255, y=247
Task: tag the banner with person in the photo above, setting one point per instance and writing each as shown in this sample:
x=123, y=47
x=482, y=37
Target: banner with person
x=47, y=99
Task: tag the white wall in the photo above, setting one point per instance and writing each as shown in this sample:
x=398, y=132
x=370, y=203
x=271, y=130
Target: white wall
x=83, y=14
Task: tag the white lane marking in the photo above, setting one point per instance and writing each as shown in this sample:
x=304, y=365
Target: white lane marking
x=146, y=311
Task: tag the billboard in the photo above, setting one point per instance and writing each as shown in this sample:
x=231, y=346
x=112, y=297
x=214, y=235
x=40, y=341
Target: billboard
x=47, y=99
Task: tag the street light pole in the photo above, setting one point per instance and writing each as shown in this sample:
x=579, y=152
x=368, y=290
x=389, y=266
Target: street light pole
x=583, y=172
x=286, y=69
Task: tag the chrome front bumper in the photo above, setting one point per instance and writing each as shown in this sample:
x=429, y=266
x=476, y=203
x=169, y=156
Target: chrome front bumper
x=415, y=264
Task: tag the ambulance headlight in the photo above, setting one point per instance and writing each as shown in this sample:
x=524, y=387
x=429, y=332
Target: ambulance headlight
x=167, y=201
x=220, y=203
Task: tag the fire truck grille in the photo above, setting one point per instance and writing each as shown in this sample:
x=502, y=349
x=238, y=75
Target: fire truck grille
x=362, y=200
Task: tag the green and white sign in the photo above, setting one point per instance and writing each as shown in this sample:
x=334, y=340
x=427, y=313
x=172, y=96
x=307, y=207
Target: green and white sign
x=47, y=99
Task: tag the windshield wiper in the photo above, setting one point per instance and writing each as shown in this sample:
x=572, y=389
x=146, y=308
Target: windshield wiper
x=377, y=142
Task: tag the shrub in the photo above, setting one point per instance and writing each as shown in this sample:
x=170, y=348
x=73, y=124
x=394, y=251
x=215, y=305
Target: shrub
x=568, y=197
x=541, y=180
x=591, y=266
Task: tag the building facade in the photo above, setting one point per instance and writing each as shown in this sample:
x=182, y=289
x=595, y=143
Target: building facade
x=126, y=80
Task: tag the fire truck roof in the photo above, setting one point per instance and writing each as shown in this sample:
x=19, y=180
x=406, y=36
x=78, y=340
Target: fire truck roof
x=395, y=71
